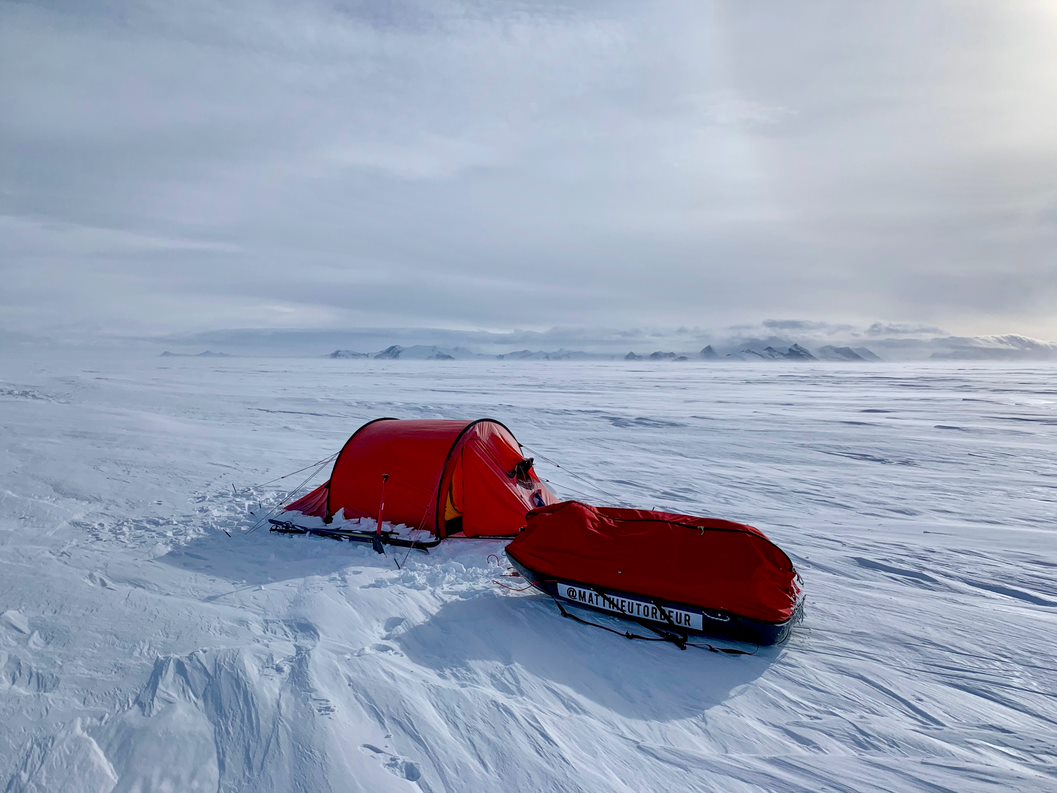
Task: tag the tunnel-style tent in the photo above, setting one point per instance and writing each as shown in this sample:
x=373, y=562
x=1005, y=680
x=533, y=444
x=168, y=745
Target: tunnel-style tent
x=446, y=477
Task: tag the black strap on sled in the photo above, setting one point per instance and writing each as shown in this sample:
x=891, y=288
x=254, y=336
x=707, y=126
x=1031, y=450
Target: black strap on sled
x=674, y=636
x=625, y=634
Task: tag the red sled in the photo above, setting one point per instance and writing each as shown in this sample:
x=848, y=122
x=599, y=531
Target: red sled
x=674, y=574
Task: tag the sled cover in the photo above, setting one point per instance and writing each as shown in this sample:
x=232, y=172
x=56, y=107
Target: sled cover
x=702, y=562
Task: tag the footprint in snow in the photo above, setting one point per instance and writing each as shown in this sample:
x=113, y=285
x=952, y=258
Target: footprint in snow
x=15, y=620
x=323, y=706
x=301, y=632
x=400, y=766
x=394, y=626
x=100, y=581
x=19, y=674
x=378, y=647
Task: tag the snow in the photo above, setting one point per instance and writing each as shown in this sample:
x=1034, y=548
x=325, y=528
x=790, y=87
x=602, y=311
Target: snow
x=142, y=649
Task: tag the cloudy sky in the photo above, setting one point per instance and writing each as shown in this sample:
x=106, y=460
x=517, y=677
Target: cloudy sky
x=180, y=166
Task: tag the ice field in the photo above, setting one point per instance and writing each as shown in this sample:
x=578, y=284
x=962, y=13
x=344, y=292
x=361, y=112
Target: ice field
x=143, y=649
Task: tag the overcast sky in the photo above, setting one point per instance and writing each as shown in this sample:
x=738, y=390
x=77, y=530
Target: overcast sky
x=179, y=166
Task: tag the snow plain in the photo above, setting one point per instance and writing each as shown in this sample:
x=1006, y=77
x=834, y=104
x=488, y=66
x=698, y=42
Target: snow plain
x=142, y=649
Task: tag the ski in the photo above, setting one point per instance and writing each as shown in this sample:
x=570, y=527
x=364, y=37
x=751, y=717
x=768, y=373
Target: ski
x=386, y=537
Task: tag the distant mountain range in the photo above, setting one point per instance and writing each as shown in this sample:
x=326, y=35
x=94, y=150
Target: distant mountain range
x=996, y=348
x=794, y=352
x=417, y=352
x=203, y=354
x=771, y=340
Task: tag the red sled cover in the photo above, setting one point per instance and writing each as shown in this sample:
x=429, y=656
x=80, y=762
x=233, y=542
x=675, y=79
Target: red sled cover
x=702, y=562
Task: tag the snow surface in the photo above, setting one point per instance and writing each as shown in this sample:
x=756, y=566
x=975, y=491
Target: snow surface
x=142, y=649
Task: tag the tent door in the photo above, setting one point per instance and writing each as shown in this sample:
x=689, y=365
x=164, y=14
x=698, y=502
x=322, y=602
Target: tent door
x=453, y=502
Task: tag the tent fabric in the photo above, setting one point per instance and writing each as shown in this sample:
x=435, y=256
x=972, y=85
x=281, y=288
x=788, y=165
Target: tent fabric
x=314, y=504
x=414, y=455
x=439, y=471
x=703, y=562
x=490, y=500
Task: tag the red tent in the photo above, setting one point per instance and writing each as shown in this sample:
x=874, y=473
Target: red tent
x=444, y=476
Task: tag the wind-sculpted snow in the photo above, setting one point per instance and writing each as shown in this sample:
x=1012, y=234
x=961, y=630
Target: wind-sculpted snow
x=144, y=649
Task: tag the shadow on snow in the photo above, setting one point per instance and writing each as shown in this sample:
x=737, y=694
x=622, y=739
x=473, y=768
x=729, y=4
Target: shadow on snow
x=642, y=680
x=260, y=557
